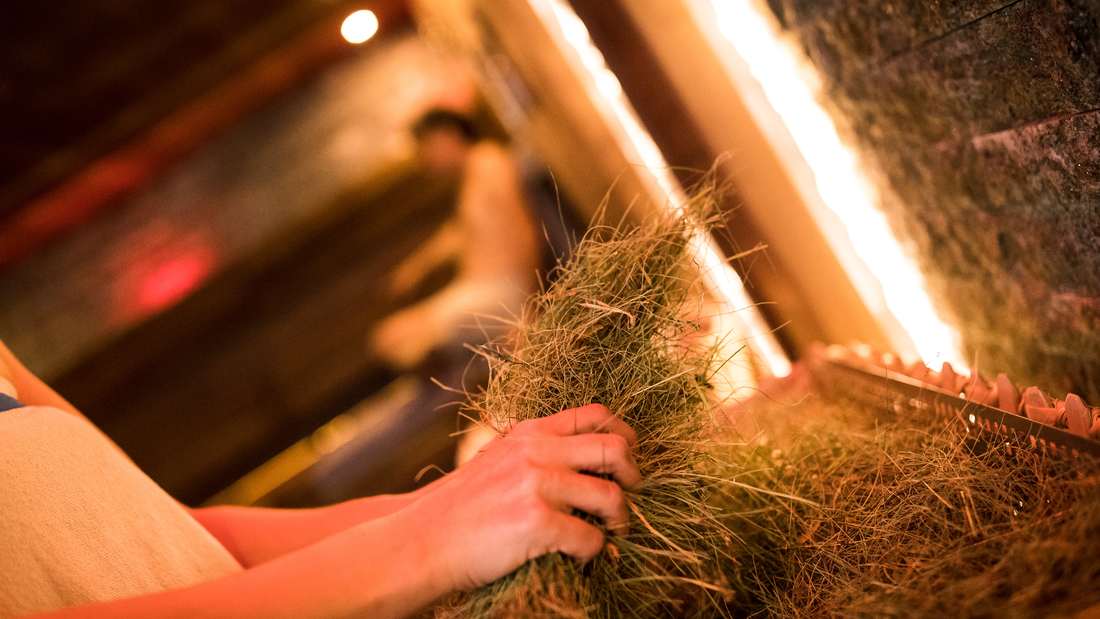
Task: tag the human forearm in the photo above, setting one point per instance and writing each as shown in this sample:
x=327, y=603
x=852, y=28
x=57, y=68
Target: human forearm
x=382, y=568
x=255, y=535
x=514, y=502
x=442, y=246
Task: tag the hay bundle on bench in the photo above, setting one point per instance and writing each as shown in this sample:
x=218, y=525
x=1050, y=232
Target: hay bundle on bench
x=838, y=512
x=911, y=516
x=611, y=329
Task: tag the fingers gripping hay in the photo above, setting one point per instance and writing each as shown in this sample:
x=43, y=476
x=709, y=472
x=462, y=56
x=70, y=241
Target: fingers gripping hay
x=612, y=330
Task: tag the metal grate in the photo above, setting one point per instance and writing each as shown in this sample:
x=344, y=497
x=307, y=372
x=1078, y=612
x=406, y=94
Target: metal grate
x=890, y=390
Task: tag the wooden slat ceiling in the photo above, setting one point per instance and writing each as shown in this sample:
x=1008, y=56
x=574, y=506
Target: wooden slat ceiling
x=78, y=79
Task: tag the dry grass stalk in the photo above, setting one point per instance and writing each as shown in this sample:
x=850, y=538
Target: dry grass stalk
x=840, y=513
x=914, y=518
x=611, y=329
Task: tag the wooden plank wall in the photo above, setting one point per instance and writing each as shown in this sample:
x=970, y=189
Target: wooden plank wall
x=262, y=356
x=981, y=121
x=286, y=226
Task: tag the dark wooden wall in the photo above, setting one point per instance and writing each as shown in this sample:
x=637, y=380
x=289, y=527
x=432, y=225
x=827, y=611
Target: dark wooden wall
x=220, y=314
x=261, y=356
x=982, y=120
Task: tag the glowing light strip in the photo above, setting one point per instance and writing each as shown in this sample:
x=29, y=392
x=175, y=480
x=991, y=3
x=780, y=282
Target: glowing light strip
x=789, y=86
x=606, y=91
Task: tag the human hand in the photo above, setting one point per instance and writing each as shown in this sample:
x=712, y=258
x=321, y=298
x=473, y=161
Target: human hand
x=515, y=501
x=404, y=339
x=404, y=279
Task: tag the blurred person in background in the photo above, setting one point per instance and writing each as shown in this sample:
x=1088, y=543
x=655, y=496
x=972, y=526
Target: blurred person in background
x=493, y=236
x=85, y=534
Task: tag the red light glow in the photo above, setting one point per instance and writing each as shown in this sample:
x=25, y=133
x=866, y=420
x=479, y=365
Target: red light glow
x=172, y=280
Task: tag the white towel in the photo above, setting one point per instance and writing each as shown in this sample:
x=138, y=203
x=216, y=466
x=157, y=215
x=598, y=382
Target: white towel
x=80, y=523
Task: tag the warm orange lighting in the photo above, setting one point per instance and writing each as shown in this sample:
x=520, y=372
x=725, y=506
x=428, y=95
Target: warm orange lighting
x=884, y=273
x=738, y=313
x=359, y=27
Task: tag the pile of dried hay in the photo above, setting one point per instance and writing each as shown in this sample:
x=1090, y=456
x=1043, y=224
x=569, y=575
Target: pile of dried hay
x=840, y=511
x=910, y=516
x=612, y=330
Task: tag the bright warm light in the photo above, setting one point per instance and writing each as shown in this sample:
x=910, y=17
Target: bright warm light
x=171, y=281
x=359, y=27
x=790, y=87
x=606, y=91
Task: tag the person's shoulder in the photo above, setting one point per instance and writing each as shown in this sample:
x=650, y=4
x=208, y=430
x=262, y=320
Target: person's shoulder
x=31, y=421
x=43, y=433
x=47, y=413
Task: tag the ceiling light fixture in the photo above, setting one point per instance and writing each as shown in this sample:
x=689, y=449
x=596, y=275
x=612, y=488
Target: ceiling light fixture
x=359, y=27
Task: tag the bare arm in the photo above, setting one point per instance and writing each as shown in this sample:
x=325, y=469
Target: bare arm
x=255, y=535
x=444, y=244
x=252, y=535
x=514, y=502
x=384, y=568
